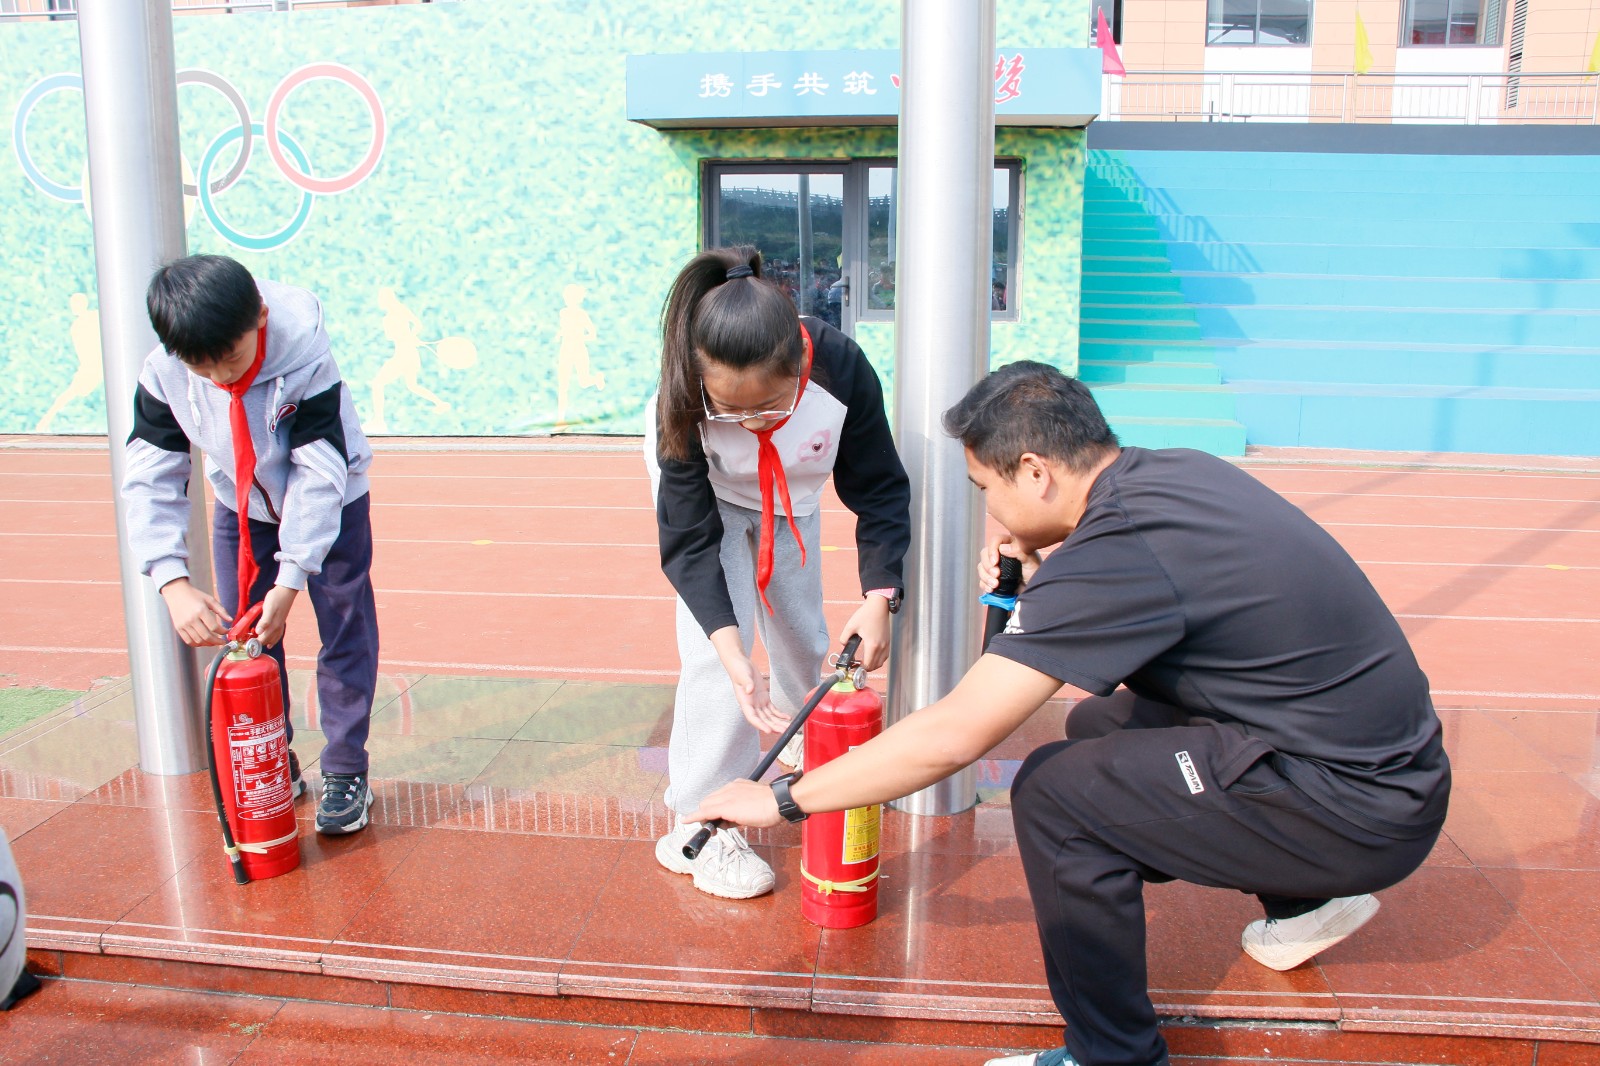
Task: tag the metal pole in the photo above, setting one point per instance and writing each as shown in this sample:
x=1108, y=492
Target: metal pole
x=131, y=102
x=946, y=176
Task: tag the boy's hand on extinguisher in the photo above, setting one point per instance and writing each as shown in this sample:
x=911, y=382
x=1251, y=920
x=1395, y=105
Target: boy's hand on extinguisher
x=743, y=802
x=275, y=614
x=989, y=561
x=199, y=619
x=871, y=623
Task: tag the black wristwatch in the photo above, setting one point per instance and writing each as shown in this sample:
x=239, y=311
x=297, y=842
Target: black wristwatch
x=786, y=805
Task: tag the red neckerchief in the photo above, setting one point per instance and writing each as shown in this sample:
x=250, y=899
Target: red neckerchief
x=244, y=467
x=771, y=473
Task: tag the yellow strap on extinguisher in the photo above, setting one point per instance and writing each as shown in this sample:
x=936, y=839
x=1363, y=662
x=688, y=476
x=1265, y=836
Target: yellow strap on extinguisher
x=828, y=888
x=263, y=846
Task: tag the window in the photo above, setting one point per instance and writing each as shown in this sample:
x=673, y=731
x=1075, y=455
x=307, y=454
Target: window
x=827, y=233
x=1113, y=10
x=1258, y=22
x=1446, y=22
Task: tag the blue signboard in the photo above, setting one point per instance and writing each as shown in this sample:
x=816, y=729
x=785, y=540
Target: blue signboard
x=1032, y=87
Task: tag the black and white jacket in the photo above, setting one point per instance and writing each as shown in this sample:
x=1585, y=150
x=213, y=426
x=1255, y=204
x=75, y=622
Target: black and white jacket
x=838, y=428
x=311, y=456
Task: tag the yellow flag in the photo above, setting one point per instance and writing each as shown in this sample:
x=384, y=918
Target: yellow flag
x=1363, y=46
x=1594, y=57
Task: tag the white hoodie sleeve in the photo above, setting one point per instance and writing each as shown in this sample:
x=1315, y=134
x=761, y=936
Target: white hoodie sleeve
x=319, y=472
x=155, y=481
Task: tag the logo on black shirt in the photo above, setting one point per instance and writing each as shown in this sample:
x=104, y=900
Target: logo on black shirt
x=1191, y=776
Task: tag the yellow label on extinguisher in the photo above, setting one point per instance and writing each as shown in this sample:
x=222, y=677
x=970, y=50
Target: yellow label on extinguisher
x=861, y=831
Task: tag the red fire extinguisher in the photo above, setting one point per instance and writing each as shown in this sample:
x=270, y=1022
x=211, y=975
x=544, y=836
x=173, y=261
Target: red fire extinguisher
x=839, y=850
x=250, y=757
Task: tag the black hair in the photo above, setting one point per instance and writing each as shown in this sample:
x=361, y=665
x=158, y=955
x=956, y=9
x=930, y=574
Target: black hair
x=201, y=305
x=1031, y=407
x=743, y=323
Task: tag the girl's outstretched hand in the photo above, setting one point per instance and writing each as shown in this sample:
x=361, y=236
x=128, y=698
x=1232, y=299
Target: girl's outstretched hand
x=871, y=623
x=749, y=684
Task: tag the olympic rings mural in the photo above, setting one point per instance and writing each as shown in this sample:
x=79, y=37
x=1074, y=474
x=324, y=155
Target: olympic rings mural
x=285, y=152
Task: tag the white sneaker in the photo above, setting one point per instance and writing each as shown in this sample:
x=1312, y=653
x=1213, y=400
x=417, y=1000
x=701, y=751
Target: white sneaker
x=1285, y=943
x=726, y=866
x=794, y=752
x=1053, y=1057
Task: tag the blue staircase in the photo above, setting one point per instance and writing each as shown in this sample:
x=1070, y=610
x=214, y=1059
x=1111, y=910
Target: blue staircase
x=1419, y=303
x=1140, y=348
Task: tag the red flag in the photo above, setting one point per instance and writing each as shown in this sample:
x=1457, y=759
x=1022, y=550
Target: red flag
x=1110, y=62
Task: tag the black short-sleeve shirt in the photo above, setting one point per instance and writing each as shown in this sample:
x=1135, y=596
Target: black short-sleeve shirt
x=1195, y=585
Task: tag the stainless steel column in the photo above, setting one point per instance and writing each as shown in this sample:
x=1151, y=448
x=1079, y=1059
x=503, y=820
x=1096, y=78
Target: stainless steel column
x=946, y=174
x=131, y=100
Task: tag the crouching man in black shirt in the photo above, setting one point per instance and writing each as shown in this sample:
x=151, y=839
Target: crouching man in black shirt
x=1272, y=731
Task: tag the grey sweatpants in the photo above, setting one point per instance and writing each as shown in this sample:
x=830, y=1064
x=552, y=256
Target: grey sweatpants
x=711, y=743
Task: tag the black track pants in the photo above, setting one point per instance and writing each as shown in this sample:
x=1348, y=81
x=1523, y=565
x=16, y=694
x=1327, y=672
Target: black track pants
x=1132, y=797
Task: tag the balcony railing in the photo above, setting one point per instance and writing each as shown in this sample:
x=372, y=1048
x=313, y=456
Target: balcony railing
x=1444, y=99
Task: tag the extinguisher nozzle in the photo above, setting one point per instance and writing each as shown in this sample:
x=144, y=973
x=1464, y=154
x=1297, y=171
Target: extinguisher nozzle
x=239, y=875
x=691, y=850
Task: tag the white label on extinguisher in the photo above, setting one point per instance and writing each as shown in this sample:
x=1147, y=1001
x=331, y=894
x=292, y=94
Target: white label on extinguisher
x=260, y=752
x=862, y=827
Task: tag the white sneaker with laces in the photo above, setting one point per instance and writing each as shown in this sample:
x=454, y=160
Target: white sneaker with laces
x=1284, y=943
x=726, y=866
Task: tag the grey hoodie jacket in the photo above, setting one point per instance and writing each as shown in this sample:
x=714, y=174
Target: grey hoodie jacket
x=311, y=456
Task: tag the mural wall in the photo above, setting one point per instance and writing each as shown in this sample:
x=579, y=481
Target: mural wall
x=490, y=237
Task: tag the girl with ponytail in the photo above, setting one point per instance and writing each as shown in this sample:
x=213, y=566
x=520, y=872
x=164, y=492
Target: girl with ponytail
x=756, y=408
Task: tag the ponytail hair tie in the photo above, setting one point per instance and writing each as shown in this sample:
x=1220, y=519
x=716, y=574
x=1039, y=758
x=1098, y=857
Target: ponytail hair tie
x=741, y=271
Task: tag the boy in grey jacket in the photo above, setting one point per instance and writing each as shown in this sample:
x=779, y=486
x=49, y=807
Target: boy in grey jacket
x=245, y=372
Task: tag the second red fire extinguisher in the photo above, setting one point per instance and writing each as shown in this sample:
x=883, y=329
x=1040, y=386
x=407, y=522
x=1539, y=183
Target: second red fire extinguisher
x=839, y=850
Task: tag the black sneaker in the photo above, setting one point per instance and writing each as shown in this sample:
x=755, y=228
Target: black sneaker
x=297, y=784
x=345, y=800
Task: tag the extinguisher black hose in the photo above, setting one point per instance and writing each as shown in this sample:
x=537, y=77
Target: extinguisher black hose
x=1003, y=600
x=239, y=874
x=847, y=658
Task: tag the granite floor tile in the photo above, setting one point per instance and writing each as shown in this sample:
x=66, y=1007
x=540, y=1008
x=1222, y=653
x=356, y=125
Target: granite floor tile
x=591, y=713
x=588, y=1010
x=236, y=980
x=1570, y=740
x=17, y=816
x=437, y=760
x=86, y=1023
x=954, y=937
x=582, y=769
x=520, y=810
x=659, y=1049
x=1480, y=740
x=1327, y=1044
x=1447, y=944
x=440, y=706
x=312, y=1032
x=94, y=862
x=1527, y=820
x=755, y=951
x=203, y=915
x=1560, y=906
x=76, y=755
x=506, y=907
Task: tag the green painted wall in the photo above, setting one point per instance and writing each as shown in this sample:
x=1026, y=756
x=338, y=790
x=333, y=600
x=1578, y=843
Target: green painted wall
x=508, y=176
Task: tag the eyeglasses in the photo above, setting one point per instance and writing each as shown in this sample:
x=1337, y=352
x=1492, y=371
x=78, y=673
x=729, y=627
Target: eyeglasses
x=746, y=416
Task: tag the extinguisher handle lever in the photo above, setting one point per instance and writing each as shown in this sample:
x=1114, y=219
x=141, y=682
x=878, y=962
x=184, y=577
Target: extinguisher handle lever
x=245, y=624
x=847, y=658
